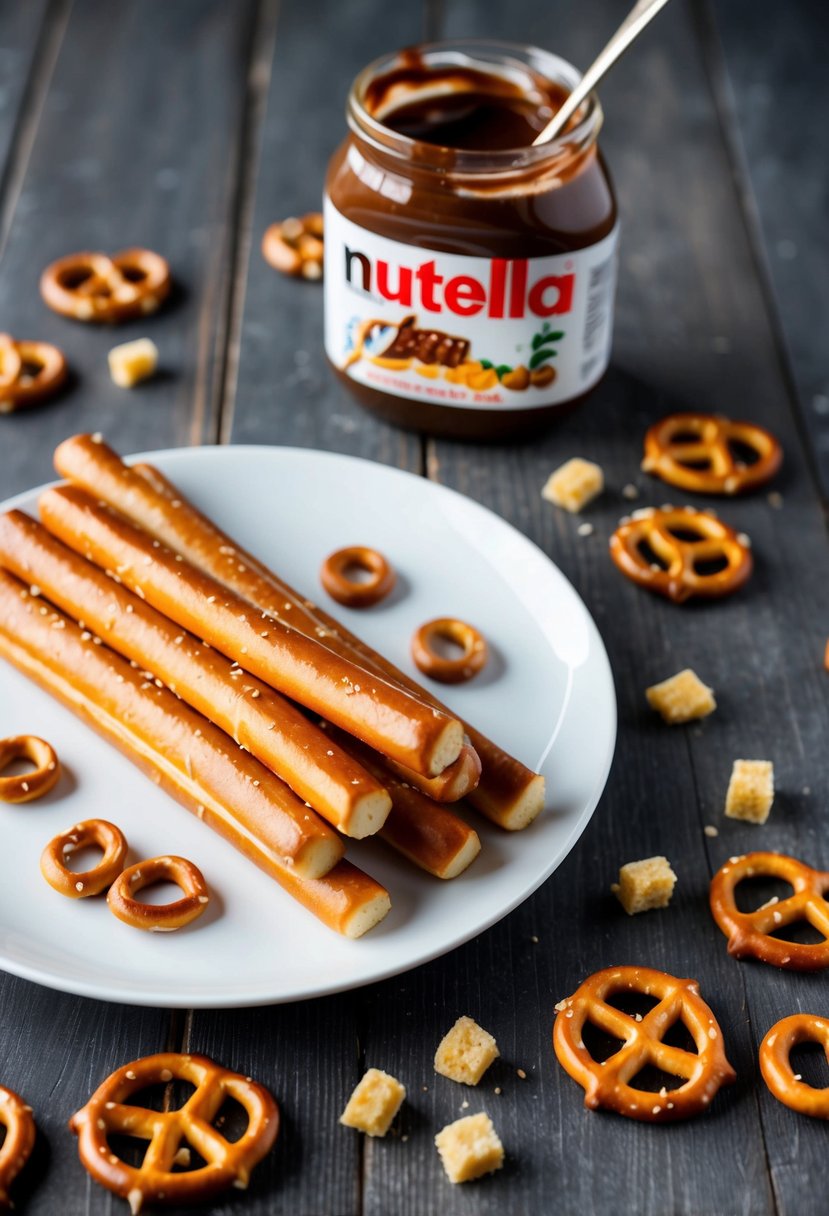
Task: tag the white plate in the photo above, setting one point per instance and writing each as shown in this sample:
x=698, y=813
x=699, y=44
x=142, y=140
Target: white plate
x=546, y=696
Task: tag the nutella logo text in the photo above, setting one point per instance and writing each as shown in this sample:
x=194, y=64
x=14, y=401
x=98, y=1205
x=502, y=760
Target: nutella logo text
x=506, y=293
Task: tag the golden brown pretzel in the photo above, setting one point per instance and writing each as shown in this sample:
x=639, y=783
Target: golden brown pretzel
x=159, y=918
x=441, y=668
x=95, y=287
x=749, y=933
x=608, y=1083
x=29, y=372
x=81, y=884
x=171, y=1133
x=27, y=786
x=681, y=538
x=295, y=246
x=16, y=1149
x=776, y=1067
x=705, y=462
x=345, y=590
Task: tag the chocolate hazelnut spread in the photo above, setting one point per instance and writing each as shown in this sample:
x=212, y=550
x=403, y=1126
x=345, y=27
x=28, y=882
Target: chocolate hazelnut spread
x=469, y=275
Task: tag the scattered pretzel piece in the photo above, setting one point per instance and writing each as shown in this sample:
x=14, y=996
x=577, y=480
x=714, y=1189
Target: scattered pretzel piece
x=438, y=666
x=776, y=1067
x=228, y=1163
x=295, y=246
x=608, y=1083
x=750, y=933
x=682, y=540
x=159, y=918
x=27, y=786
x=696, y=452
x=95, y=287
x=29, y=372
x=80, y=884
x=334, y=576
x=17, y=1119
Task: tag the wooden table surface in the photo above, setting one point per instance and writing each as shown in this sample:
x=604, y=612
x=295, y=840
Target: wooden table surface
x=187, y=126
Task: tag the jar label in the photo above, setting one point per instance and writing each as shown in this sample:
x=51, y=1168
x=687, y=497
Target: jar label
x=469, y=332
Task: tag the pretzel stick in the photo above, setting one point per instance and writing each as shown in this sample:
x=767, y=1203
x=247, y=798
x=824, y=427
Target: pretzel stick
x=390, y=720
x=509, y=793
x=180, y=751
x=255, y=716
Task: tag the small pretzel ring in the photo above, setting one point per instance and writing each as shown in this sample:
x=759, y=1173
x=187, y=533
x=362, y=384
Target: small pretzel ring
x=80, y=884
x=694, y=451
x=26, y=786
x=750, y=933
x=437, y=666
x=608, y=1083
x=345, y=590
x=29, y=372
x=776, y=1067
x=159, y=918
x=17, y=1119
x=95, y=287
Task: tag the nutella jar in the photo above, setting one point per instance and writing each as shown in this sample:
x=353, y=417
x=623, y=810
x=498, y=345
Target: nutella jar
x=469, y=276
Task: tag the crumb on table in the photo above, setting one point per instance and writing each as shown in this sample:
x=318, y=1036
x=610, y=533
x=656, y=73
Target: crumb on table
x=681, y=698
x=470, y=1148
x=465, y=1052
x=750, y=791
x=645, y=884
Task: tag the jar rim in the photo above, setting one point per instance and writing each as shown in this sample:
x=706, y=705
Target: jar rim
x=479, y=53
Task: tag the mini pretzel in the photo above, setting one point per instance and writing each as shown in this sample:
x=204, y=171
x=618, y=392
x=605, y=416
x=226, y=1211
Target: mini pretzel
x=680, y=579
x=27, y=786
x=706, y=463
x=80, y=884
x=95, y=287
x=159, y=918
x=335, y=580
x=776, y=1067
x=445, y=670
x=29, y=372
x=17, y=1119
x=749, y=933
x=171, y=1132
x=295, y=246
x=608, y=1083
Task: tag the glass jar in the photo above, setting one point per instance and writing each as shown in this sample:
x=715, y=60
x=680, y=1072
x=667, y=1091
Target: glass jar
x=468, y=289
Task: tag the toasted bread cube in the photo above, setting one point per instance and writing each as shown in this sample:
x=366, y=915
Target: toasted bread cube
x=470, y=1148
x=645, y=884
x=465, y=1052
x=133, y=361
x=750, y=790
x=374, y=1103
x=682, y=697
x=574, y=485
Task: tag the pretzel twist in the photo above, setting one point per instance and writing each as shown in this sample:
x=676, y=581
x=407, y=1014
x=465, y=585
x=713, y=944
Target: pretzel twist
x=749, y=933
x=26, y=786
x=80, y=884
x=776, y=1067
x=95, y=287
x=440, y=667
x=159, y=918
x=607, y=1083
x=17, y=1147
x=345, y=590
x=707, y=464
x=108, y=1112
x=665, y=531
x=295, y=246
x=29, y=372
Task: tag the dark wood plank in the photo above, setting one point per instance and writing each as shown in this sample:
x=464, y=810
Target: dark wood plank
x=772, y=92
x=137, y=144
x=27, y=32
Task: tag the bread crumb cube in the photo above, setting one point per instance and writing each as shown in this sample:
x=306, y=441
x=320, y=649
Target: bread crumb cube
x=465, y=1052
x=750, y=790
x=682, y=697
x=374, y=1103
x=132, y=362
x=470, y=1148
x=645, y=884
x=574, y=485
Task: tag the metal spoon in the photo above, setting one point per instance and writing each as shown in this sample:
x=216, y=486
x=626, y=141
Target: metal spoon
x=638, y=17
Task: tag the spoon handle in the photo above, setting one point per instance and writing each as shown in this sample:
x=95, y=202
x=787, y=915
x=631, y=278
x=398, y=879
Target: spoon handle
x=639, y=16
